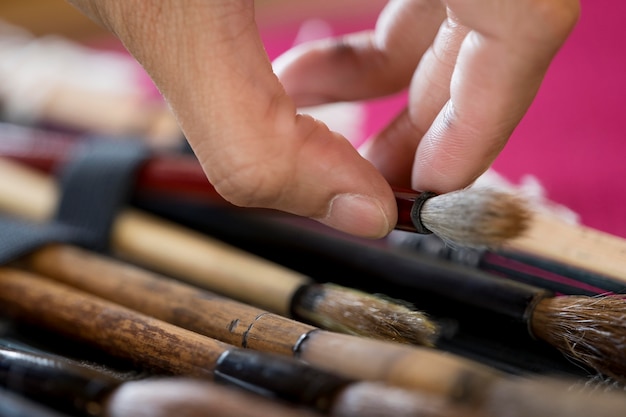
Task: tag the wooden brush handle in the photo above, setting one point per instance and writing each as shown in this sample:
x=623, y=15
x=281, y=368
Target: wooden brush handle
x=457, y=379
x=119, y=331
x=166, y=246
x=575, y=245
x=169, y=300
x=239, y=324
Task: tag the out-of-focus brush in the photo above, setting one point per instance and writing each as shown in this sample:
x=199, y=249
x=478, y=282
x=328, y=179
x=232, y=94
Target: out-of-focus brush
x=14, y=405
x=209, y=263
x=524, y=267
x=243, y=325
x=68, y=386
x=574, y=325
x=472, y=217
x=168, y=350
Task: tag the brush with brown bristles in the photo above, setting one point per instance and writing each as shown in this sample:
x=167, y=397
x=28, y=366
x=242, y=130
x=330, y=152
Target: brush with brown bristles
x=167, y=350
x=472, y=217
x=209, y=263
x=453, y=391
x=572, y=325
x=249, y=327
x=589, y=329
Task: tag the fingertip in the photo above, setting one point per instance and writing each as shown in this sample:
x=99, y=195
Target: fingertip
x=360, y=215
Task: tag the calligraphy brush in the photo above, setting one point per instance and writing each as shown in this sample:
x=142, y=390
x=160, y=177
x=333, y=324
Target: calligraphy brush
x=528, y=268
x=169, y=350
x=68, y=386
x=180, y=252
x=588, y=329
x=78, y=315
x=473, y=217
x=468, y=391
x=215, y=265
x=593, y=259
x=246, y=326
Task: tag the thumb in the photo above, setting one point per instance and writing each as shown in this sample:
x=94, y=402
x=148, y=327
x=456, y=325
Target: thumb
x=208, y=61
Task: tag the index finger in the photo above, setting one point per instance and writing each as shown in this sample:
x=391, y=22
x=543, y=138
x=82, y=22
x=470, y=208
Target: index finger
x=499, y=68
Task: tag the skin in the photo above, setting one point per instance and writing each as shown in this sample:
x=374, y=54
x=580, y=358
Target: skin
x=472, y=69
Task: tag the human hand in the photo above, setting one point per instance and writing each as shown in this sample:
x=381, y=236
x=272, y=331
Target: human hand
x=472, y=68
x=208, y=61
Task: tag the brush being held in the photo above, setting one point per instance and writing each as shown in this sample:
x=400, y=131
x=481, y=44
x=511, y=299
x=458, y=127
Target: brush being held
x=472, y=217
x=183, y=253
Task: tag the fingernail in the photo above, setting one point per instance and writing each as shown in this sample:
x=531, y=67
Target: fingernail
x=358, y=215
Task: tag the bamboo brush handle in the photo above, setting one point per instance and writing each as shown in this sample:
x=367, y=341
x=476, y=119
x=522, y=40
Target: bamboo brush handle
x=575, y=245
x=457, y=379
x=236, y=323
x=119, y=331
x=173, y=249
x=169, y=300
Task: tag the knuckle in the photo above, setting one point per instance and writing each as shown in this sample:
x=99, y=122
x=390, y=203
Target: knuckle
x=253, y=182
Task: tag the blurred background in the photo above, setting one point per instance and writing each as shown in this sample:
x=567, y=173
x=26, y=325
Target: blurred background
x=569, y=149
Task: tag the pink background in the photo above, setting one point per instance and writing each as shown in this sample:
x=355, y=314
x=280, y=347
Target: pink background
x=573, y=136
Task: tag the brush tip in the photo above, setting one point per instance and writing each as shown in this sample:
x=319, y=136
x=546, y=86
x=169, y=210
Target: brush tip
x=591, y=330
x=477, y=217
x=346, y=310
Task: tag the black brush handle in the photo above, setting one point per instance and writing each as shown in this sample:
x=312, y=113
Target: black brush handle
x=526, y=268
x=368, y=265
x=64, y=385
x=279, y=376
x=13, y=405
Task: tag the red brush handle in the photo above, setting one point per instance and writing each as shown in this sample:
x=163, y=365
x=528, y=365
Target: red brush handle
x=173, y=175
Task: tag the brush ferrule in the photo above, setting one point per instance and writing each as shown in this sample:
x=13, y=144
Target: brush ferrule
x=416, y=212
x=278, y=376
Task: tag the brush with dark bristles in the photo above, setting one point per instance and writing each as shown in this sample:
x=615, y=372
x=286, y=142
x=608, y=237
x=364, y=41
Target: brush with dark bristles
x=472, y=217
x=249, y=327
x=442, y=288
x=590, y=330
x=168, y=350
x=67, y=385
x=186, y=254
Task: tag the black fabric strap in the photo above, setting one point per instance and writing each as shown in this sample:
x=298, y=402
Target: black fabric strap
x=19, y=238
x=94, y=186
